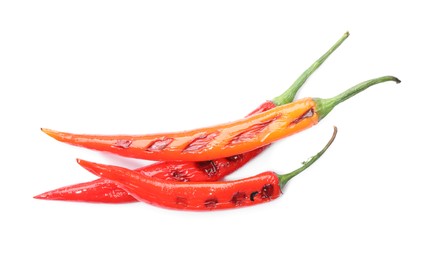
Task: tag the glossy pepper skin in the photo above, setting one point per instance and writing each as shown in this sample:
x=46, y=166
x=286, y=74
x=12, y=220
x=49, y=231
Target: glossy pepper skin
x=105, y=191
x=222, y=140
x=211, y=170
x=97, y=191
x=208, y=143
x=254, y=190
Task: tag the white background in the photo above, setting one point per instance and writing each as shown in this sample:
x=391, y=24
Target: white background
x=111, y=67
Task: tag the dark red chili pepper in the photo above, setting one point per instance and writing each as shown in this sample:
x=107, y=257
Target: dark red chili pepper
x=254, y=190
x=210, y=170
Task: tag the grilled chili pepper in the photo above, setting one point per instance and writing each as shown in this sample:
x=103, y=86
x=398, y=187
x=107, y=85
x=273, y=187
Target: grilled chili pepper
x=222, y=140
x=211, y=170
x=105, y=191
x=254, y=190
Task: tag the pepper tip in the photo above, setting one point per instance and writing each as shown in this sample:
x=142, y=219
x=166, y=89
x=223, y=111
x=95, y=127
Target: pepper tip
x=42, y=196
x=90, y=166
x=49, y=132
x=39, y=196
x=82, y=162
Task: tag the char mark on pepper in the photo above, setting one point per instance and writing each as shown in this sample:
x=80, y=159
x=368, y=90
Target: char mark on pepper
x=159, y=145
x=209, y=167
x=307, y=114
x=179, y=176
x=211, y=203
x=267, y=191
x=252, y=131
x=200, y=142
x=122, y=144
x=238, y=198
x=181, y=201
x=253, y=194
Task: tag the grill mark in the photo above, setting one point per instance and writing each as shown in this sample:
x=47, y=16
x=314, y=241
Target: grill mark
x=253, y=194
x=200, y=142
x=159, y=145
x=307, y=114
x=267, y=191
x=211, y=203
x=179, y=176
x=181, y=201
x=252, y=131
x=209, y=167
x=122, y=143
x=238, y=198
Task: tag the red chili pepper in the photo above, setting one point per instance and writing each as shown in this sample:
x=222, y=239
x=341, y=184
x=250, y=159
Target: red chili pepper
x=105, y=191
x=254, y=190
x=211, y=170
x=222, y=140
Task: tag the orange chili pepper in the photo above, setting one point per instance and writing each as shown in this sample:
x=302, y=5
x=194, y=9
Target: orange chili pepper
x=222, y=140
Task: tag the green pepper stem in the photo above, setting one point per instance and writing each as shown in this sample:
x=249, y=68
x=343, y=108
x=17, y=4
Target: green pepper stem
x=283, y=179
x=324, y=106
x=289, y=95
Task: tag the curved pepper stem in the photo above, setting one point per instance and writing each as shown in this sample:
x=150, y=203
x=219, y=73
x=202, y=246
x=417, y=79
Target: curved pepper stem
x=283, y=179
x=324, y=106
x=289, y=95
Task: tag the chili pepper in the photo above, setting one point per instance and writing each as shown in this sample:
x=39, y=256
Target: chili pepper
x=211, y=170
x=254, y=190
x=222, y=140
x=105, y=191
